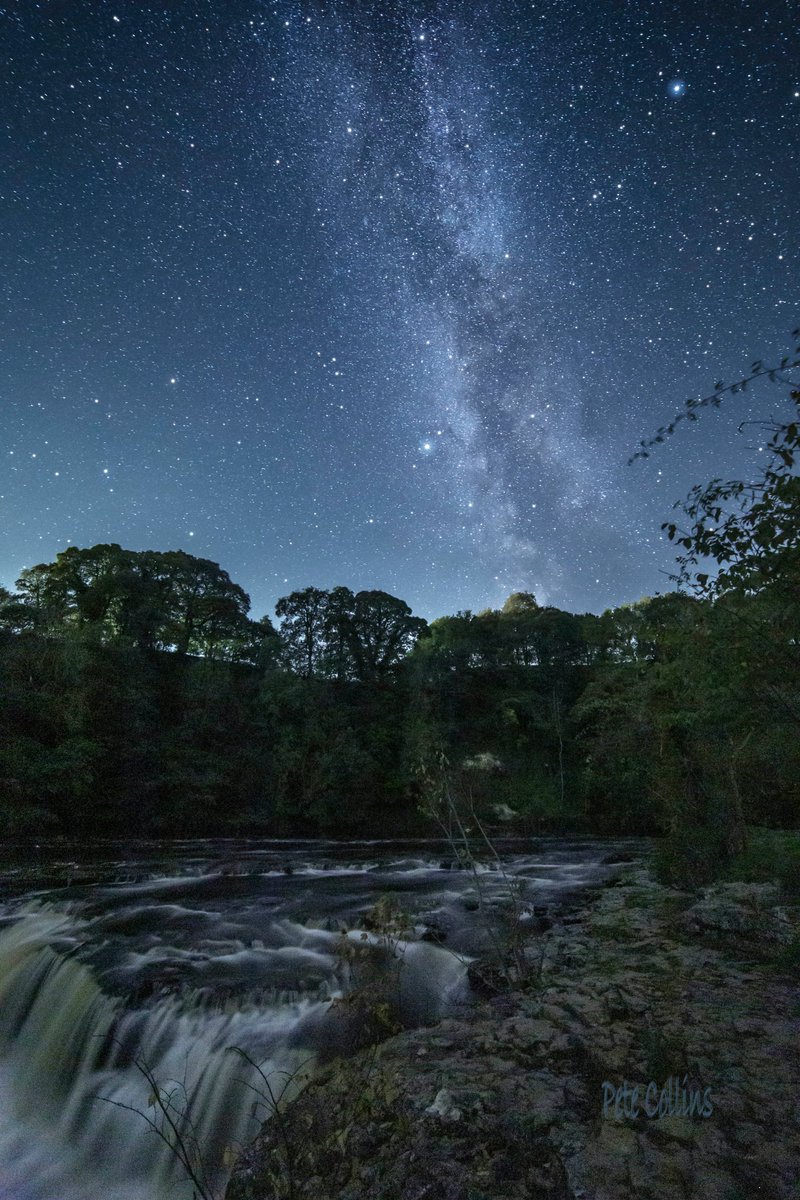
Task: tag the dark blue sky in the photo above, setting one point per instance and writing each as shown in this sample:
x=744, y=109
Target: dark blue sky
x=385, y=295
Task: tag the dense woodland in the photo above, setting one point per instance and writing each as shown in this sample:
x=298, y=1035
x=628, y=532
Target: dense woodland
x=139, y=697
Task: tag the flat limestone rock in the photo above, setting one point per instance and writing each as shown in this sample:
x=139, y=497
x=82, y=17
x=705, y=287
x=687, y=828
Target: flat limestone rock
x=525, y=1073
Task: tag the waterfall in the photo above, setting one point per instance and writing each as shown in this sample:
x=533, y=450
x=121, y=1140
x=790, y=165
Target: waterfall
x=77, y=1101
x=84, y=1075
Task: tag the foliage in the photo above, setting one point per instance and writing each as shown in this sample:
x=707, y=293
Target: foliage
x=750, y=530
x=689, y=856
x=138, y=696
x=338, y=635
x=771, y=856
x=775, y=372
x=148, y=599
x=736, y=671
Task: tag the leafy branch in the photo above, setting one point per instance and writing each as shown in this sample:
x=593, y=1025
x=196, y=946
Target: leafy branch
x=758, y=370
x=751, y=530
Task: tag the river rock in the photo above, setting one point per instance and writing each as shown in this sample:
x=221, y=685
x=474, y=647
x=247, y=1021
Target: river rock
x=644, y=1002
x=741, y=910
x=444, y=1107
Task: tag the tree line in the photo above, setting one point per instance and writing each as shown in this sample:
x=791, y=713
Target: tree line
x=138, y=696
x=174, y=602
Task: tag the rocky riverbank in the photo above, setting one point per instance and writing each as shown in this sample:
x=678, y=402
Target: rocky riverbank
x=523, y=1097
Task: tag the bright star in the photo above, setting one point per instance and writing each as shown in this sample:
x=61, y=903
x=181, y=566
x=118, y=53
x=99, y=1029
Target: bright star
x=676, y=87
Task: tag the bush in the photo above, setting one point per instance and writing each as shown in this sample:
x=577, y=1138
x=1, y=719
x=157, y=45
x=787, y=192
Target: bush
x=690, y=858
x=771, y=856
x=695, y=856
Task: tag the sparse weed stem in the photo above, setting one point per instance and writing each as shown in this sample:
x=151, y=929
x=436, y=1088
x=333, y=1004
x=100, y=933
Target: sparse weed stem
x=171, y=1119
x=275, y=1111
x=172, y=1122
x=443, y=801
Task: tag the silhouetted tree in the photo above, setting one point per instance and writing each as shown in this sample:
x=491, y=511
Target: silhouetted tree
x=303, y=629
x=381, y=631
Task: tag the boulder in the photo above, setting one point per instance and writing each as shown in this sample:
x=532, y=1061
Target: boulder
x=741, y=911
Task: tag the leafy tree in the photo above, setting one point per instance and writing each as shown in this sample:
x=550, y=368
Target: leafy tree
x=662, y=728
x=751, y=531
x=748, y=532
x=338, y=635
x=449, y=645
x=80, y=588
x=381, y=631
x=148, y=599
x=48, y=759
x=338, y=655
x=336, y=752
x=205, y=610
x=517, y=625
x=742, y=552
x=304, y=624
x=46, y=602
x=15, y=615
x=519, y=603
x=258, y=644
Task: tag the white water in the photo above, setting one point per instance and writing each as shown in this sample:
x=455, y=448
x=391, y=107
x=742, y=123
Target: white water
x=159, y=966
x=76, y=1080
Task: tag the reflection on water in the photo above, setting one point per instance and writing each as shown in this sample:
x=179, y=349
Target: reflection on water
x=127, y=961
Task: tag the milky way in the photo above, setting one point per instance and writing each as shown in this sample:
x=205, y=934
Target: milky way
x=386, y=295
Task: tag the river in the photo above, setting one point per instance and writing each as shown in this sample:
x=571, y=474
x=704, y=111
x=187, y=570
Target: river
x=128, y=972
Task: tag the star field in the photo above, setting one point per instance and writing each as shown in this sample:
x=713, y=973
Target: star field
x=385, y=295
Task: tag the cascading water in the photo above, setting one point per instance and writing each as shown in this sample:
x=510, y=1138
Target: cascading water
x=125, y=995
x=79, y=1067
x=77, y=1097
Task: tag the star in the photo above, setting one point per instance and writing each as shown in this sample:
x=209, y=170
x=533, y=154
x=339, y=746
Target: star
x=488, y=268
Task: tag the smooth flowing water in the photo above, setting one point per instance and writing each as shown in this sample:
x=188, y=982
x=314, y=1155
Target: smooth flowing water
x=132, y=976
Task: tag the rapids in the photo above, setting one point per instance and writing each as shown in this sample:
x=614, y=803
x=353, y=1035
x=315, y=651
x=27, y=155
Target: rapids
x=193, y=982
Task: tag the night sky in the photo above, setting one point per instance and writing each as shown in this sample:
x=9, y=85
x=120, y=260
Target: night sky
x=385, y=295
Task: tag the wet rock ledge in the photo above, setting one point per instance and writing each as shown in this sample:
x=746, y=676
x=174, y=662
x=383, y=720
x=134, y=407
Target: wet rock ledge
x=644, y=984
